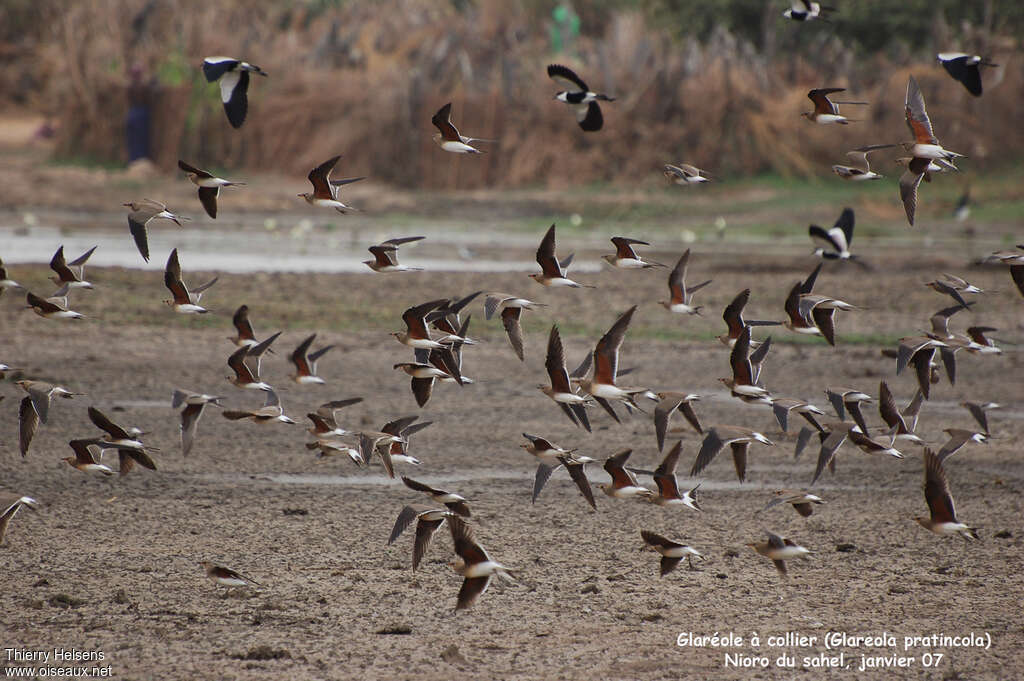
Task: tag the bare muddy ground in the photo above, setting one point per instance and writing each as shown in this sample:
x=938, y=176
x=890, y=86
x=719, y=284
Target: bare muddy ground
x=110, y=564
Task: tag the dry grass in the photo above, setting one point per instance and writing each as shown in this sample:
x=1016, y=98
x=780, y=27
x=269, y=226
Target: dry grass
x=363, y=79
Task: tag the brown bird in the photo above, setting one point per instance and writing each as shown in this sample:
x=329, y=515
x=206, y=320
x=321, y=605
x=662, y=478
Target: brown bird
x=668, y=404
x=84, y=458
x=226, y=576
x=802, y=502
x=682, y=297
x=625, y=257
x=473, y=563
x=246, y=361
x=49, y=309
x=923, y=150
x=183, y=302
x=209, y=186
x=601, y=386
x=779, y=549
x=65, y=275
x=449, y=138
x=428, y=522
x=942, y=518
x=825, y=110
x=561, y=390
x=738, y=439
x=553, y=270
x=455, y=502
x=305, y=362
x=671, y=552
x=417, y=335
x=511, y=308
x=733, y=318
x=325, y=190
x=194, y=405
x=142, y=212
x=385, y=255
x=668, y=487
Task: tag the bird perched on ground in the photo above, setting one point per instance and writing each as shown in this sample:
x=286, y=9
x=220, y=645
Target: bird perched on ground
x=579, y=97
x=325, y=190
x=209, y=186
x=184, y=301
x=965, y=68
x=861, y=171
x=386, y=255
x=141, y=213
x=234, y=84
x=449, y=138
x=942, y=518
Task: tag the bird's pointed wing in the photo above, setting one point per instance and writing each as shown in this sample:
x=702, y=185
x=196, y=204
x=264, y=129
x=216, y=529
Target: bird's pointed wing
x=565, y=77
x=917, y=118
x=442, y=120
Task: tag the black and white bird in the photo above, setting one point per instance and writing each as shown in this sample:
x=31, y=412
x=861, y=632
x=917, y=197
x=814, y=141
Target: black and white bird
x=965, y=68
x=234, y=84
x=834, y=244
x=579, y=97
x=805, y=10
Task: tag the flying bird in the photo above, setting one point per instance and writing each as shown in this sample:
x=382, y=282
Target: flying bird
x=738, y=439
x=305, y=362
x=965, y=68
x=66, y=276
x=834, y=244
x=270, y=412
x=10, y=509
x=417, y=335
x=449, y=138
x=668, y=486
x=48, y=308
x=141, y=213
x=234, y=84
x=668, y=404
x=624, y=484
x=825, y=110
x=923, y=150
x=941, y=518
x=511, y=309
x=386, y=255
x=226, y=576
x=473, y=564
x=428, y=522
x=862, y=171
x=805, y=10
x=802, y=502
x=625, y=256
x=779, y=549
x=601, y=385
x=209, y=186
x=561, y=390
x=672, y=552
x=578, y=96
x=685, y=174
x=85, y=457
x=553, y=271
x=682, y=296
x=325, y=190
x=184, y=301
x=245, y=362
x=5, y=281
x=456, y=503
x=190, y=415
